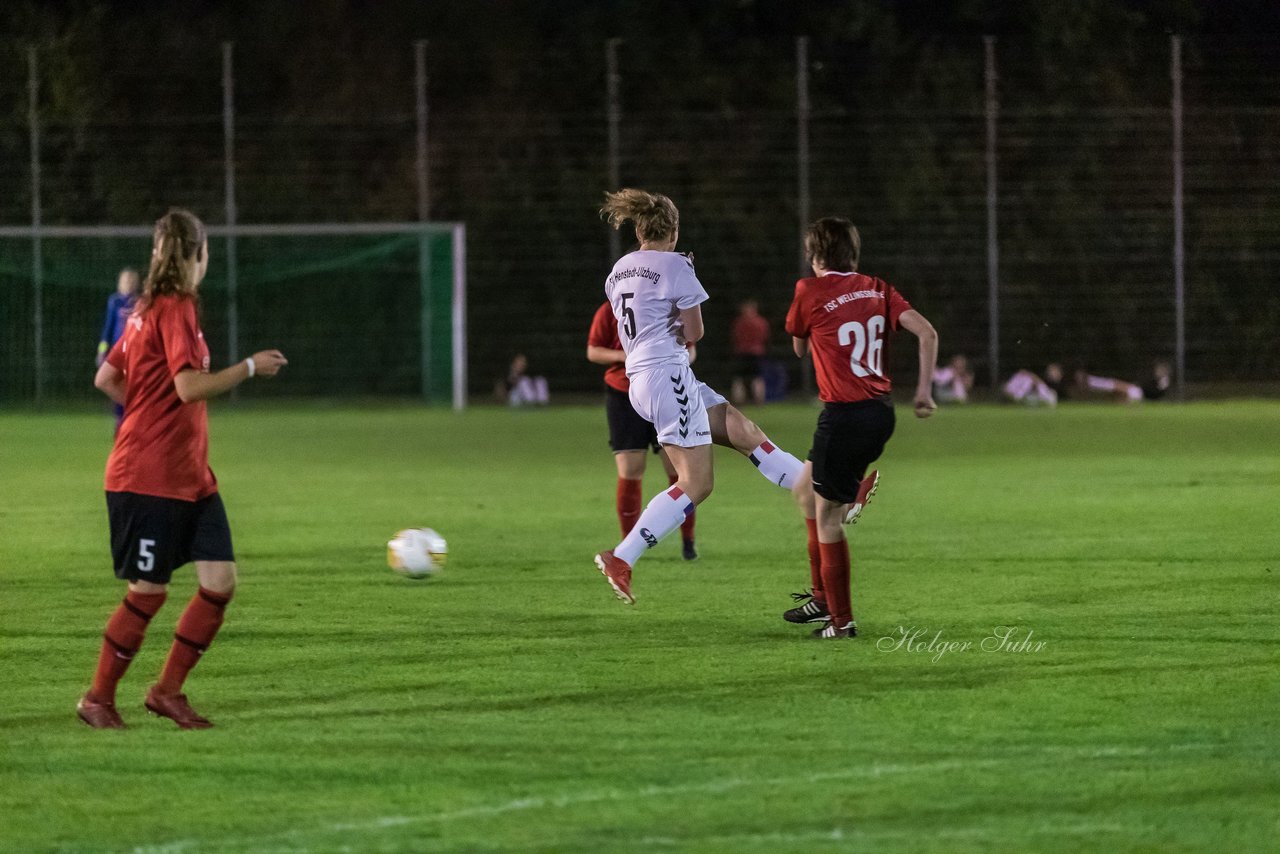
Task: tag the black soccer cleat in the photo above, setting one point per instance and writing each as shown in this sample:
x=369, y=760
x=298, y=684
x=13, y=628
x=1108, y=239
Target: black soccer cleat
x=812, y=611
x=830, y=632
x=689, y=551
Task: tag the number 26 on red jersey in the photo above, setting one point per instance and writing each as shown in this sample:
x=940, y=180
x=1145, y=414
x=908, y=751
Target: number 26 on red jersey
x=868, y=345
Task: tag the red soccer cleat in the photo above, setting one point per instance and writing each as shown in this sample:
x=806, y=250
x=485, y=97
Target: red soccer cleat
x=618, y=573
x=98, y=715
x=866, y=489
x=176, y=708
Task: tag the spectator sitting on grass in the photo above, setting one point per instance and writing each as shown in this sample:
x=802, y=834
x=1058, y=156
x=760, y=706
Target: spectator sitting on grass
x=520, y=389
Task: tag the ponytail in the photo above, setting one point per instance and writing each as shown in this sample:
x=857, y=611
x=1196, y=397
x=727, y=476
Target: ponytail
x=655, y=216
x=178, y=246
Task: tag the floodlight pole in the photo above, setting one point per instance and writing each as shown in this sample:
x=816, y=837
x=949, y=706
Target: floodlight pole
x=1179, y=247
x=37, y=257
x=229, y=170
x=613, y=113
x=993, y=245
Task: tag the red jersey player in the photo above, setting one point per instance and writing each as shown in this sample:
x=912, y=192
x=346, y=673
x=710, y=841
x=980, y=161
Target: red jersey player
x=845, y=318
x=750, y=337
x=630, y=435
x=162, y=499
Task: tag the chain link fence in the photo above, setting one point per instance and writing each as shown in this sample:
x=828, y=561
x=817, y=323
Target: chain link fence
x=1084, y=193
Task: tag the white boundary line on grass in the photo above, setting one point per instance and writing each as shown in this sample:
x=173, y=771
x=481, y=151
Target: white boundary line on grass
x=559, y=802
x=838, y=834
x=295, y=839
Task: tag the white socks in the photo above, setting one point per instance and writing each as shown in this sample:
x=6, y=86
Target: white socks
x=667, y=510
x=776, y=465
x=661, y=516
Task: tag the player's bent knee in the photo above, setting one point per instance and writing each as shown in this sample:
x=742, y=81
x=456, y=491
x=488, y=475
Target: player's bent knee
x=699, y=493
x=631, y=464
x=698, y=488
x=803, y=492
x=744, y=434
x=218, y=576
x=830, y=515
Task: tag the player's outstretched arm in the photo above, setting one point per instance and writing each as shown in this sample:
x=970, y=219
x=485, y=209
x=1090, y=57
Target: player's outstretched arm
x=915, y=323
x=110, y=381
x=193, y=385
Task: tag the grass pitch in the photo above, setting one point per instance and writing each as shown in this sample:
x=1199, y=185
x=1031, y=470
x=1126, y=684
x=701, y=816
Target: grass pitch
x=513, y=704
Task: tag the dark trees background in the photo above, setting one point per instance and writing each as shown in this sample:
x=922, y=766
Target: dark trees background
x=131, y=107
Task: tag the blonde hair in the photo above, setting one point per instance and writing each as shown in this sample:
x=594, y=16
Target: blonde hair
x=833, y=243
x=655, y=216
x=177, y=247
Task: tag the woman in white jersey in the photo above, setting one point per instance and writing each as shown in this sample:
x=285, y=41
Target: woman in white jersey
x=657, y=300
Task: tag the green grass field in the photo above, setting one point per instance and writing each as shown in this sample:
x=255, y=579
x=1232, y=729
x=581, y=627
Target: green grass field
x=512, y=704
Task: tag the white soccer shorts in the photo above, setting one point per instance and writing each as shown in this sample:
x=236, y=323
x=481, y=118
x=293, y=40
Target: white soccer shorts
x=675, y=402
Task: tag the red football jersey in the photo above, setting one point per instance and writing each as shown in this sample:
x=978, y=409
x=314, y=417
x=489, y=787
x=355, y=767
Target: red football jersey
x=162, y=447
x=604, y=333
x=750, y=335
x=843, y=316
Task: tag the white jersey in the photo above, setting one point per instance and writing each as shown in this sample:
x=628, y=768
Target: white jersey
x=647, y=290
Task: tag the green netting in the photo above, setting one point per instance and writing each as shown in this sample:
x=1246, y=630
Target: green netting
x=349, y=311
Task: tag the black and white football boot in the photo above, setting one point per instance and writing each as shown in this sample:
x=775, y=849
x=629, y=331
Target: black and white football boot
x=812, y=611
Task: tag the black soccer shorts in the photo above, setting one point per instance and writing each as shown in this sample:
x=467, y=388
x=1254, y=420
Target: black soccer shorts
x=153, y=536
x=749, y=367
x=628, y=431
x=850, y=437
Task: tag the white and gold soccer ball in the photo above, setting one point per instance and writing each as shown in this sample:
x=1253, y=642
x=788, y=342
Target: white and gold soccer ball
x=417, y=552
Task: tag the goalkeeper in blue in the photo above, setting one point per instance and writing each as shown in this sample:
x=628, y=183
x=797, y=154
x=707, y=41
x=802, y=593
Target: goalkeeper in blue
x=119, y=307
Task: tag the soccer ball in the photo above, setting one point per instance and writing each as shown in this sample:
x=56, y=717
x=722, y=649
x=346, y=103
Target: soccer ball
x=417, y=552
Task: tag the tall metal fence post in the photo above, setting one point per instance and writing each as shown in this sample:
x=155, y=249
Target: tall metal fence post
x=425, y=291
x=420, y=91
x=1179, y=248
x=803, y=154
x=37, y=252
x=993, y=245
x=803, y=199
x=229, y=176
x=613, y=112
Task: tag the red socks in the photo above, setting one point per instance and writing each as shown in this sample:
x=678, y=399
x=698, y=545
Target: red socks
x=630, y=503
x=121, y=640
x=197, y=627
x=835, y=582
x=815, y=562
x=686, y=527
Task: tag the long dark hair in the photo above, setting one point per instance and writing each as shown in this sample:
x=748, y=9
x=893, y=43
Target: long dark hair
x=177, y=246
